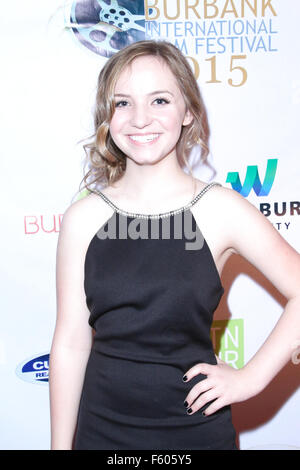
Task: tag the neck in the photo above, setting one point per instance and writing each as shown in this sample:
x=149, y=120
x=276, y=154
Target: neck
x=154, y=182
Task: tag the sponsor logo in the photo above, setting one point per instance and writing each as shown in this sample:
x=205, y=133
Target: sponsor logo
x=217, y=36
x=228, y=341
x=42, y=223
x=105, y=27
x=34, y=370
x=252, y=179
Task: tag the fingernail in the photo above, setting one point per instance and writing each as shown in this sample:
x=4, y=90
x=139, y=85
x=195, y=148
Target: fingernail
x=185, y=403
x=203, y=413
x=189, y=410
x=184, y=378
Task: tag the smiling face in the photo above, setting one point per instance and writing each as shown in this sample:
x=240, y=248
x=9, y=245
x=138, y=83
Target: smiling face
x=149, y=111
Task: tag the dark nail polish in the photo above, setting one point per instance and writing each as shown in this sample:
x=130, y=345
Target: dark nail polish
x=184, y=378
x=186, y=403
x=189, y=410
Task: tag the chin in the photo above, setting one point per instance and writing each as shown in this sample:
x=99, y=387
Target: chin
x=146, y=161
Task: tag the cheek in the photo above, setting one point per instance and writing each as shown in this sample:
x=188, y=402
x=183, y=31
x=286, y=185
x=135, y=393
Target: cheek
x=170, y=117
x=172, y=121
x=115, y=124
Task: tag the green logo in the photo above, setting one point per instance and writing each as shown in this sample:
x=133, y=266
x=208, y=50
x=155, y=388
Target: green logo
x=228, y=341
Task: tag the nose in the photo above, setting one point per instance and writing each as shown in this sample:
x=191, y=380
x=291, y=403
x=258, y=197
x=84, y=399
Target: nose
x=141, y=116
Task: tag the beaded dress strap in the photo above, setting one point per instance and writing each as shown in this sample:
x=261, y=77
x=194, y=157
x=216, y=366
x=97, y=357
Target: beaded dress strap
x=163, y=214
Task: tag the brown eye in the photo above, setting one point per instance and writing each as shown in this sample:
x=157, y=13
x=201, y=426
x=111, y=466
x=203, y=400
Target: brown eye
x=162, y=101
x=121, y=104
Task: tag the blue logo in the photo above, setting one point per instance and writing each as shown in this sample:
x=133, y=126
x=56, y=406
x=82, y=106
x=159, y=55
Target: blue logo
x=252, y=179
x=106, y=26
x=34, y=370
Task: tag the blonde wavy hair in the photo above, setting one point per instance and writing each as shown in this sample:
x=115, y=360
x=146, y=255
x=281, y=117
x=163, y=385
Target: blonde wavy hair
x=105, y=162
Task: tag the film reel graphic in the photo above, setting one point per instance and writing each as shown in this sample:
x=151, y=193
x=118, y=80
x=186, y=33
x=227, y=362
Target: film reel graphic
x=105, y=27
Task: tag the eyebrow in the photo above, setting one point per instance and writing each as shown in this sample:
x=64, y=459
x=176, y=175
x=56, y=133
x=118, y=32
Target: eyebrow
x=149, y=94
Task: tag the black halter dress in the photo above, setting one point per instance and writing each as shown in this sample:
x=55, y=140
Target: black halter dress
x=151, y=287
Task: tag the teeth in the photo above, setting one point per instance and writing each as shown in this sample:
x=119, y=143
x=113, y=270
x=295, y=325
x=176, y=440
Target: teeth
x=144, y=138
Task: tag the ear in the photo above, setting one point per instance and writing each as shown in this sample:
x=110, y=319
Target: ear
x=187, y=118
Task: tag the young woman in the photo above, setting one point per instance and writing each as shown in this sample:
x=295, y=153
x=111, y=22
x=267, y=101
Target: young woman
x=149, y=378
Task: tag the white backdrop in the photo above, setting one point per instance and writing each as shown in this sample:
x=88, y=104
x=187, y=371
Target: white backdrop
x=48, y=88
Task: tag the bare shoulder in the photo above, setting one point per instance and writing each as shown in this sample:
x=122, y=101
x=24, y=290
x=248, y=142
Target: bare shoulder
x=218, y=200
x=251, y=234
x=84, y=217
x=227, y=204
x=218, y=193
x=233, y=215
x=79, y=224
x=212, y=213
x=238, y=215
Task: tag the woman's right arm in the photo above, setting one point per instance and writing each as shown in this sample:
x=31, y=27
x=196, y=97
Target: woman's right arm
x=72, y=338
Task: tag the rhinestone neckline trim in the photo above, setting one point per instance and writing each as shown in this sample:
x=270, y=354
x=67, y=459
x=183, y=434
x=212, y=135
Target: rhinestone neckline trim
x=161, y=215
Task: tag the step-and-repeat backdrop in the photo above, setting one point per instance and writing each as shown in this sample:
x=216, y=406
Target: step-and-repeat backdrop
x=245, y=55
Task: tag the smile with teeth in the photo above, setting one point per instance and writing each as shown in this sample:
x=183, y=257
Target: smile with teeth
x=144, y=138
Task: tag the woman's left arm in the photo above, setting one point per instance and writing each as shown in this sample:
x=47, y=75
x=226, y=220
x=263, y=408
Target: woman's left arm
x=252, y=236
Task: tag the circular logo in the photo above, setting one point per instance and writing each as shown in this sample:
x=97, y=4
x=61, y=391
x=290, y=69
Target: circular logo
x=35, y=370
x=105, y=27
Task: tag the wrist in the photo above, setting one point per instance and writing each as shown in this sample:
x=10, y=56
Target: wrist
x=254, y=383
